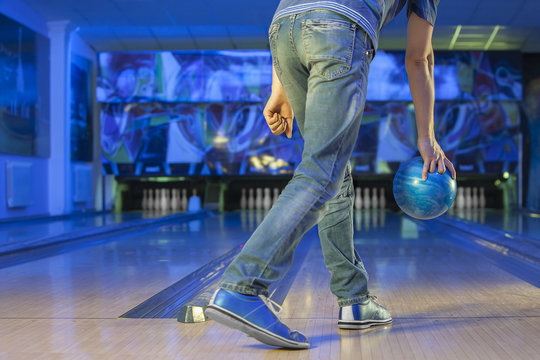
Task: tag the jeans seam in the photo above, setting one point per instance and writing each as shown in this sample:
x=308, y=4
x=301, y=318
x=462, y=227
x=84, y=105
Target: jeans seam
x=291, y=37
x=273, y=38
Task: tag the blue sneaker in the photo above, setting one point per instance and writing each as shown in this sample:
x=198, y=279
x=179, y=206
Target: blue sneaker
x=255, y=316
x=364, y=315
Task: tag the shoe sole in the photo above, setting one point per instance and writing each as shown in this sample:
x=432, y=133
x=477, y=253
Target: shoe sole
x=231, y=320
x=358, y=325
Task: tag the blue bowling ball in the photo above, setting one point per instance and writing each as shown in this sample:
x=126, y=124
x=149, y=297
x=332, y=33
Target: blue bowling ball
x=423, y=199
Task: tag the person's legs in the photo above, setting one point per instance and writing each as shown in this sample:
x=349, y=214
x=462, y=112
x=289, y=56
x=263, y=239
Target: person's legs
x=348, y=275
x=322, y=60
x=327, y=55
x=348, y=279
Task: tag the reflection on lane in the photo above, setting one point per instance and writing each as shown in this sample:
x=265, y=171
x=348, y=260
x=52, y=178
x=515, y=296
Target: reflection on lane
x=103, y=280
x=20, y=232
x=518, y=222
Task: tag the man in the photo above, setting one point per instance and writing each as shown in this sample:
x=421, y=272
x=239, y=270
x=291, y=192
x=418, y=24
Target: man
x=321, y=52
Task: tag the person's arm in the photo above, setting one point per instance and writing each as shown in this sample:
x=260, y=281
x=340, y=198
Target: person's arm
x=278, y=112
x=419, y=62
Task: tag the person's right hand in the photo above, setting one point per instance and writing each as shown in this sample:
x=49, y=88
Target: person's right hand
x=434, y=157
x=278, y=114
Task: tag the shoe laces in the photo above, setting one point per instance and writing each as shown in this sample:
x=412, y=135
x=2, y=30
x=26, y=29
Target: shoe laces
x=374, y=299
x=274, y=307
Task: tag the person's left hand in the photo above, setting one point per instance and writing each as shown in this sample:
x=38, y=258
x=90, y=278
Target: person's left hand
x=278, y=114
x=434, y=157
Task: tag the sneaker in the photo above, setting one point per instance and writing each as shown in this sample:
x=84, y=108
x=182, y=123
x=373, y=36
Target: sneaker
x=363, y=315
x=256, y=316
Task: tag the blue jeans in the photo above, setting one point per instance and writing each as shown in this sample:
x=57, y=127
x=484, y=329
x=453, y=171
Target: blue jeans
x=322, y=60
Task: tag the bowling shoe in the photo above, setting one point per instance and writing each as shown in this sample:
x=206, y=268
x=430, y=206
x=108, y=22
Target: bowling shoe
x=363, y=315
x=255, y=316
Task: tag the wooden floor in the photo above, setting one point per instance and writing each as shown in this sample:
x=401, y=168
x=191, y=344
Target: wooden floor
x=446, y=302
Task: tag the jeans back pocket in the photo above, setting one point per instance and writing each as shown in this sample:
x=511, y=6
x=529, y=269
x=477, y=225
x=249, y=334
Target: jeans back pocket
x=329, y=46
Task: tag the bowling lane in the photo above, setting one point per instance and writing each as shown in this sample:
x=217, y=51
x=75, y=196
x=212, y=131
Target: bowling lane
x=31, y=231
x=418, y=273
x=446, y=302
x=523, y=223
x=107, y=280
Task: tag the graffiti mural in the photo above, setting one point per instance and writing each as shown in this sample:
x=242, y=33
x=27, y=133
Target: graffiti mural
x=229, y=138
x=205, y=109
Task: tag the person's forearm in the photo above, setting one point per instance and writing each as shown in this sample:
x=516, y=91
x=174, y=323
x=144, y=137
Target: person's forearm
x=276, y=83
x=420, y=73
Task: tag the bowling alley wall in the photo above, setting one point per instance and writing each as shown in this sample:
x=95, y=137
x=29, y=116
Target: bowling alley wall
x=531, y=109
x=49, y=156
x=79, y=129
x=199, y=114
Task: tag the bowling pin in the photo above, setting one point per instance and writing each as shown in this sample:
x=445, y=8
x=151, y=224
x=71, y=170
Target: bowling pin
x=174, y=201
x=460, y=199
x=144, y=200
x=157, y=200
x=366, y=199
x=468, y=198
x=475, y=197
x=164, y=202
x=382, y=199
x=150, y=200
x=276, y=196
x=184, y=201
x=482, y=199
x=374, y=199
x=267, y=200
x=243, y=200
x=358, y=199
x=251, y=200
x=259, y=199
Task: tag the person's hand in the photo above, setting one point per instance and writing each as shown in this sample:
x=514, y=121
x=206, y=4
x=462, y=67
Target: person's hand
x=278, y=114
x=434, y=158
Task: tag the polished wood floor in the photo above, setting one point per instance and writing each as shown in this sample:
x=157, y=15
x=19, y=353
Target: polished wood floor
x=446, y=302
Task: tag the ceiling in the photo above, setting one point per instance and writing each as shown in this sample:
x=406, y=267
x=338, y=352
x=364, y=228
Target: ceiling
x=115, y=25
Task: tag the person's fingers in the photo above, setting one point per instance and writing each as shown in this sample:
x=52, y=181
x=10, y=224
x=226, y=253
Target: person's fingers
x=289, y=127
x=441, y=166
x=279, y=130
x=269, y=117
x=279, y=126
x=432, y=165
x=425, y=170
x=275, y=126
x=450, y=167
x=274, y=122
